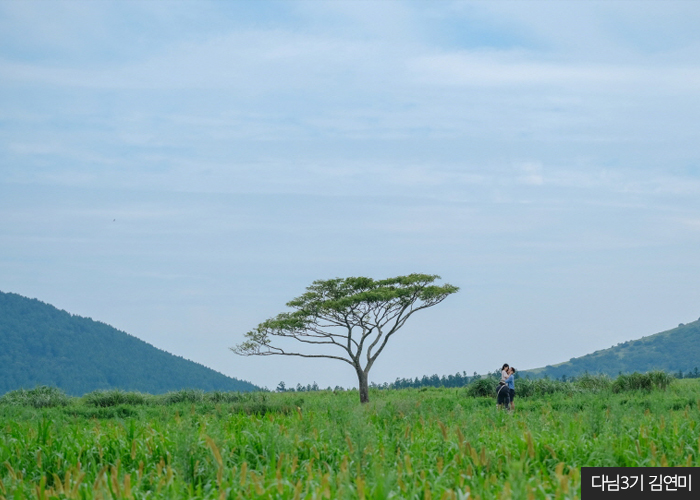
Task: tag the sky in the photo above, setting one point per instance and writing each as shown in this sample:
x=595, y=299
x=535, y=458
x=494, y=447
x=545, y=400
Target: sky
x=181, y=170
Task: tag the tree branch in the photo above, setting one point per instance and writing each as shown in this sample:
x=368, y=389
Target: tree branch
x=281, y=352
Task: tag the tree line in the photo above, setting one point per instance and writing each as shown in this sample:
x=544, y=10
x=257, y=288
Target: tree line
x=448, y=381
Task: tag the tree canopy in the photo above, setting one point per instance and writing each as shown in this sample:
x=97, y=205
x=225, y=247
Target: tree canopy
x=351, y=318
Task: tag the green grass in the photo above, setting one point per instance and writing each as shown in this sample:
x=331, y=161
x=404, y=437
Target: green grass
x=413, y=444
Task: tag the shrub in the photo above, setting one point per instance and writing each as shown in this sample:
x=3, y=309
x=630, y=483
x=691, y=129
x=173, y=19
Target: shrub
x=590, y=382
x=485, y=387
x=660, y=379
x=656, y=379
x=541, y=386
x=224, y=397
x=183, y=396
x=115, y=397
x=118, y=411
x=40, y=397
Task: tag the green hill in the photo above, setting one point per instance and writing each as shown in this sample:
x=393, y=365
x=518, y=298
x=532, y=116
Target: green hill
x=42, y=345
x=672, y=351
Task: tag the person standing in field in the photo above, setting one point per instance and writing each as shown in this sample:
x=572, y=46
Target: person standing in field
x=504, y=373
x=510, y=382
x=503, y=393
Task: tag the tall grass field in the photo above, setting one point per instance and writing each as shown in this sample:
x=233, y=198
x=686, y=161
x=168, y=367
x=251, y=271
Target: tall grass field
x=404, y=444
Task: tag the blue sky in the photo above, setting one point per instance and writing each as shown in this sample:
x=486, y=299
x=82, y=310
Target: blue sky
x=180, y=170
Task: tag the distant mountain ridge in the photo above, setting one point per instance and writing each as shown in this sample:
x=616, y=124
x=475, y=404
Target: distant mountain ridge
x=42, y=345
x=672, y=351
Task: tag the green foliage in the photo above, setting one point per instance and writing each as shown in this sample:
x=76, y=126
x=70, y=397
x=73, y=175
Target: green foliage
x=432, y=443
x=642, y=381
x=485, y=387
x=456, y=380
x=248, y=403
x=41, y=345
x=115, y=397
x=590, y=382
x=526, y=388
x=542, y=386
x=39, y=397
x=344, y=294
x=183, y=396
x=356, y=302
x=226, y=397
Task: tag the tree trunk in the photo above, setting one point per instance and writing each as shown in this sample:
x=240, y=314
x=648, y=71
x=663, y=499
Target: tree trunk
x=364, y=387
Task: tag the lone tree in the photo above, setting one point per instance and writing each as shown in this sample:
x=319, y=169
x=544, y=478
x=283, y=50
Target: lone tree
x=348, y=319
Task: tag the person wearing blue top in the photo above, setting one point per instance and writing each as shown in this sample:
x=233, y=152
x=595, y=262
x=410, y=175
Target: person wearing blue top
x=510, y=382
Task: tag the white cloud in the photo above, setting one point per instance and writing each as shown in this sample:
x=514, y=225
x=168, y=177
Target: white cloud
x=487, y=69
x=530, y=173
x=693, y=224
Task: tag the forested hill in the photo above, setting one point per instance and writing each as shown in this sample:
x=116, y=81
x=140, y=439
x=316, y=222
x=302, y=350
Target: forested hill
x=676, y=350
x=42, y=345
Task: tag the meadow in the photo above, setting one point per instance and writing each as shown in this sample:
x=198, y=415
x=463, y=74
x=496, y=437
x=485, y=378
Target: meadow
x=405, y=444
